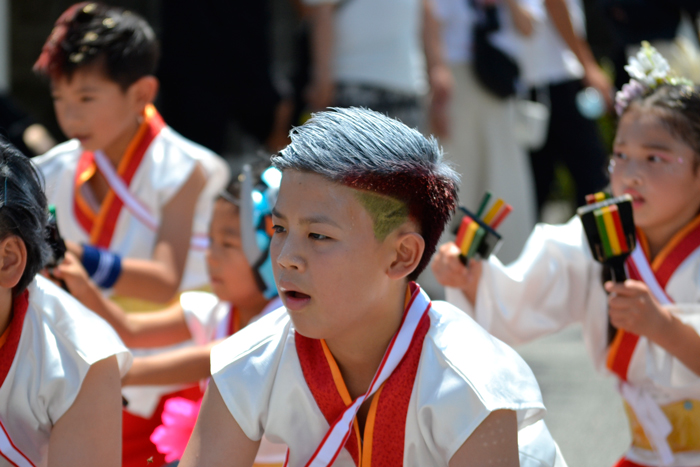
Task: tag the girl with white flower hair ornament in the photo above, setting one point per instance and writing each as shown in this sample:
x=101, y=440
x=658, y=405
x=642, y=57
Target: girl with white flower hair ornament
x=556, y=281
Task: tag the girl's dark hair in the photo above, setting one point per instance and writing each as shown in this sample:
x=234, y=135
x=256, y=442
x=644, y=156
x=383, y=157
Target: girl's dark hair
x=678, y=108
x=23, y=210
x=86, y=33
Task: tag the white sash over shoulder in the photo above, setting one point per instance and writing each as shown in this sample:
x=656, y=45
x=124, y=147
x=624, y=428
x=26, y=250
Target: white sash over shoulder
x=135, y=207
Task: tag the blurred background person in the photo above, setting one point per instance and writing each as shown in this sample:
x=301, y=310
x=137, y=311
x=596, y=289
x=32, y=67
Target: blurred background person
x=481, y=142
x=381, y=54
x=556, y=64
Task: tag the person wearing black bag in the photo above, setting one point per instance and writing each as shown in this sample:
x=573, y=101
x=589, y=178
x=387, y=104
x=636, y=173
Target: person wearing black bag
x=557, y=61
x=482, y=144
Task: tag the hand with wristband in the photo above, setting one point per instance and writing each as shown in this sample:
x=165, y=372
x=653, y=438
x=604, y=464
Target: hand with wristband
x=85, y=278
x=103, y=266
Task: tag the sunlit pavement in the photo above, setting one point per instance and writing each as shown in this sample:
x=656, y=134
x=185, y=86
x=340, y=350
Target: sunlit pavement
x=585, y=413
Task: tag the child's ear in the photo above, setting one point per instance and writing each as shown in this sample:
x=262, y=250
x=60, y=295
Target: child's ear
x=144, y=91
x=13, y=260
x=409, y=251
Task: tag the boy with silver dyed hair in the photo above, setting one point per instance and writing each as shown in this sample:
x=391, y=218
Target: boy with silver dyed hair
x=359, y=367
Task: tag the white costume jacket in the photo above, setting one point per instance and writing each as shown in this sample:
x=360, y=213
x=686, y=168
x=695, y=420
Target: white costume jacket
x=463, y=374
x=49, y=349
x=556, y=282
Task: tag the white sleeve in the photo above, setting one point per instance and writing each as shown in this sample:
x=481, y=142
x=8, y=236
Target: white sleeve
x=537, y=448
x=72, y=339
x=553, y=284
x=203, y=313
x=244, y=368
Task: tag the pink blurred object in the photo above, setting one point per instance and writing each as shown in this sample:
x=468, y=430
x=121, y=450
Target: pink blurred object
x=179, y=416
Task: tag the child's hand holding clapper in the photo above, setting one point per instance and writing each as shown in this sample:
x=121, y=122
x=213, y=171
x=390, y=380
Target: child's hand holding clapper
x=476, y=240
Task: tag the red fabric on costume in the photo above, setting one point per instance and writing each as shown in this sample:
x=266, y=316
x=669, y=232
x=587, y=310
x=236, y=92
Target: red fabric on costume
x=137, y=447
x=628, y=463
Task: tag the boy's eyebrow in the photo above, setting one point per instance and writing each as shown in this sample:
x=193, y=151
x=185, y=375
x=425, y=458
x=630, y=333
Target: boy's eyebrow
x=319, y=219
x=87, y=88
x=276, y=213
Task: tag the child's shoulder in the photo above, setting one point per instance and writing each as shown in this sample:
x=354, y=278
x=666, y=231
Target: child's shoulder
x=61, y=157
x=174, y=150
x=460, y=350
x=177, y=146
x=70, y=329
x=265, y=336
x=62, y=340
x=186, y=146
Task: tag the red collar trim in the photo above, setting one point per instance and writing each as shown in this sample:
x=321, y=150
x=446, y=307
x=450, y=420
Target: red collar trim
x=20, y=305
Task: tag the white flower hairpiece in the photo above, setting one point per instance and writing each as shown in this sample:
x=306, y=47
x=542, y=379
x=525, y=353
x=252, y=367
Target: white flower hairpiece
x=647, y=70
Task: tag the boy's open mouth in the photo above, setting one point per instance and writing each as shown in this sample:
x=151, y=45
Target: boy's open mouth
x=296, y=295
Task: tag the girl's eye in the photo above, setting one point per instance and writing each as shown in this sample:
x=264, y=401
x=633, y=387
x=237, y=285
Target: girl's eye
x=655, y=158
x=277, y=229
x=87, y=99
x=620, y=155
x=316, y=236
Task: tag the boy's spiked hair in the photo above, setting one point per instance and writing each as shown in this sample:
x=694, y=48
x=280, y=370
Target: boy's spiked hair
x=88, y=33
x=23, y=210
x=371, y=152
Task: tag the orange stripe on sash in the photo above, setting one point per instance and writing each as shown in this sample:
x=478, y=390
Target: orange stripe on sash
x=319, y=378
x=85, y=170
x=101, y=225
x=389, y=431
x=344, y=394
x=681, y=246
x=385, y=428
x=234, y=323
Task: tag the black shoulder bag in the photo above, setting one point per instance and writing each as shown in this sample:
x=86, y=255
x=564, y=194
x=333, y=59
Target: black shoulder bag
x=494, y=69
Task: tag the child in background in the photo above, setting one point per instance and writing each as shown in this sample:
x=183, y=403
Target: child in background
x=244, y=291
x=60, y=364
x=133, y=198
x=362, y=203
x=556, y=281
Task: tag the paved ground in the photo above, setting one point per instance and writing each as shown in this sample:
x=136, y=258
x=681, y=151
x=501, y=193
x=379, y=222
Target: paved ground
x=585, y=413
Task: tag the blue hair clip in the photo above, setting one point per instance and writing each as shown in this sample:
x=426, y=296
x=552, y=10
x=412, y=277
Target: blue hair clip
x=256, y=227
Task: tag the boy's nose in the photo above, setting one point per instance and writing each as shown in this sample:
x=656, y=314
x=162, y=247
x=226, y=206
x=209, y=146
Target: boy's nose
x=69, y=115
x=289, y=257
x=210, y=256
